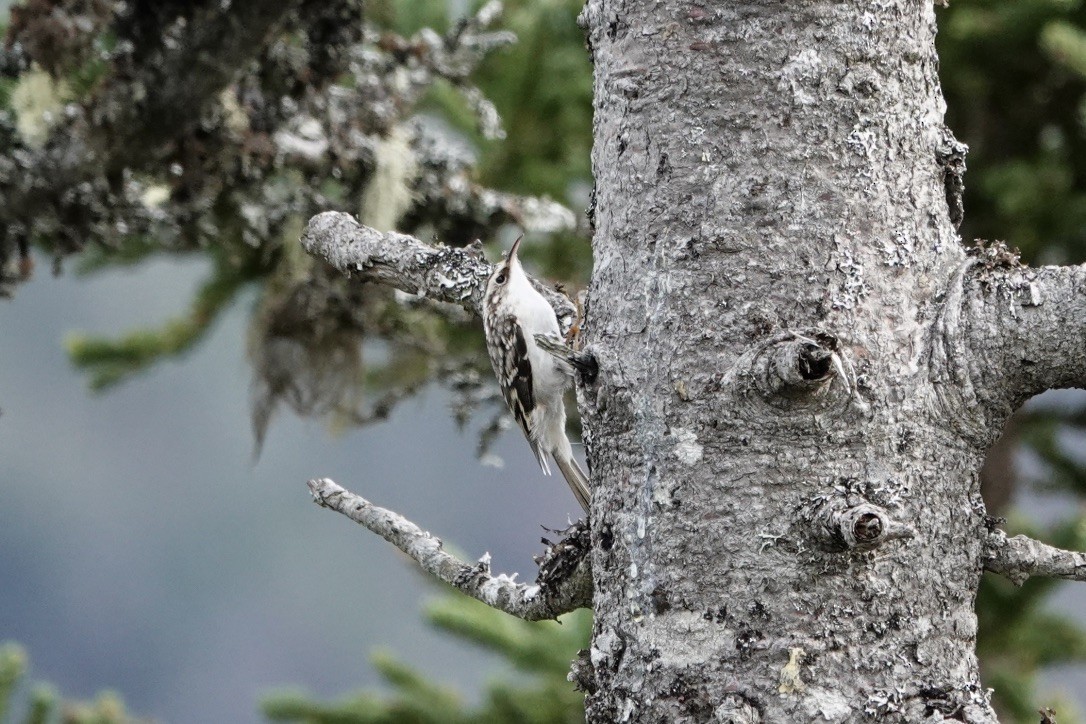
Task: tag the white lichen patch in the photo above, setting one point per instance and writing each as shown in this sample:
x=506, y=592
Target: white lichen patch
x=304, y=139
x=802, y=71
x=661, y=495
x=791, y=682
x=900, y=251
x=234, y=116
x=490, y=460
x=1035, y=299
x=545, y=215
x=853, y=287
x=37, y=101
x=861, y=140
x=687, y=448
x=388, y=194
x=153, y=197
x=603, y=647
x=830, y=705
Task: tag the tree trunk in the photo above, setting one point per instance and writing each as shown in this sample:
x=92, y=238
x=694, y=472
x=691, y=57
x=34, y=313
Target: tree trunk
x=788, y=422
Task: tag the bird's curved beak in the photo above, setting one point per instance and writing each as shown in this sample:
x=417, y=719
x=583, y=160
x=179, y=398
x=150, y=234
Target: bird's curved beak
x=515, y=249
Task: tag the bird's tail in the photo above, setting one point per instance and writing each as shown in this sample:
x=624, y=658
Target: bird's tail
x=578, y=481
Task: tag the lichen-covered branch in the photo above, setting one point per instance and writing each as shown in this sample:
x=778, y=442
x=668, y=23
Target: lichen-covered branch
x=163, y=80
x=567, y=588
x=1021, y=330
x=190, y=65
x=310, y=110
x=445, y=274
x=204, y=125
x=1021, y=557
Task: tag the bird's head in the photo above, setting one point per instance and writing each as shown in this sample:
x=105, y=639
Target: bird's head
x=505, y=272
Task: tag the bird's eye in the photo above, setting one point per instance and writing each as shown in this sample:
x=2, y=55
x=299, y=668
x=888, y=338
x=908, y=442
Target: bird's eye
x=500, y=279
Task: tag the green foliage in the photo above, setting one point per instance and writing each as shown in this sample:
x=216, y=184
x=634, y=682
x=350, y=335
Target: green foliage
x=541, y=695
x=1065, y=44
x=406, y=17
x=541, y=86
x=43, y=704
x=542, y=89
x=12, y=668
x=7, y=85
x=1014, y=74
x=110, y=361
x=84, y=78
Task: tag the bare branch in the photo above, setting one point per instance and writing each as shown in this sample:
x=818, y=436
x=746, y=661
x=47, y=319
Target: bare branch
x=1022, y=330
x=1020, y=557
x=561, y=588
x=455, y=276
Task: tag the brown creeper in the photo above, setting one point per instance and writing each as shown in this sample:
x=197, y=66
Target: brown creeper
x=532, y=380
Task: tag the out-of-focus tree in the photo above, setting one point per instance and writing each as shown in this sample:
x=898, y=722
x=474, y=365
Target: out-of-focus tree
x=1014, y=75
x=129, y=130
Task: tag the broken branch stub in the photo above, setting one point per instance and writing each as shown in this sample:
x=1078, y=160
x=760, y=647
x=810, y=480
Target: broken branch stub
x=858, y=527
x=1022, y=557
x=795, y=366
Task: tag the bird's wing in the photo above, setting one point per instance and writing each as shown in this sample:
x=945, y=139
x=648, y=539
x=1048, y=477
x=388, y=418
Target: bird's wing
x=559, y=352
x=516, y=367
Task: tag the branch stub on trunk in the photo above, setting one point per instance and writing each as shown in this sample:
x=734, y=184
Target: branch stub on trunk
x=797, y=369
x=859, y=527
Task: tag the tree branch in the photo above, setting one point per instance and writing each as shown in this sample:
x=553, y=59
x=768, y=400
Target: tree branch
x=212, y=50
x=1023, y=329
x=178, y=79
x=121, y=164
x=160, y=81
x=446, y=274
x=1020, y=557
x=560, y=589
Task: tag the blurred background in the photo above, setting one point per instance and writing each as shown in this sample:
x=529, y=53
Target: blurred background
x=172, y=369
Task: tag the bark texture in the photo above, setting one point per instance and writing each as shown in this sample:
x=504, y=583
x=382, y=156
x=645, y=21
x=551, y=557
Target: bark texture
x=786, y=403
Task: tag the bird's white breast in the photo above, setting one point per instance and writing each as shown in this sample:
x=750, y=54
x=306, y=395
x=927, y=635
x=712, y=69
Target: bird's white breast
x=536, y=316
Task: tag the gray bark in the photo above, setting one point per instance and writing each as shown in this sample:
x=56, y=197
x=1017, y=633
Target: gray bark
x=1020, y=558
x=767, y=174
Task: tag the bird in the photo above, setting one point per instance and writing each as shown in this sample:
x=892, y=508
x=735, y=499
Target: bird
x=516, y=317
